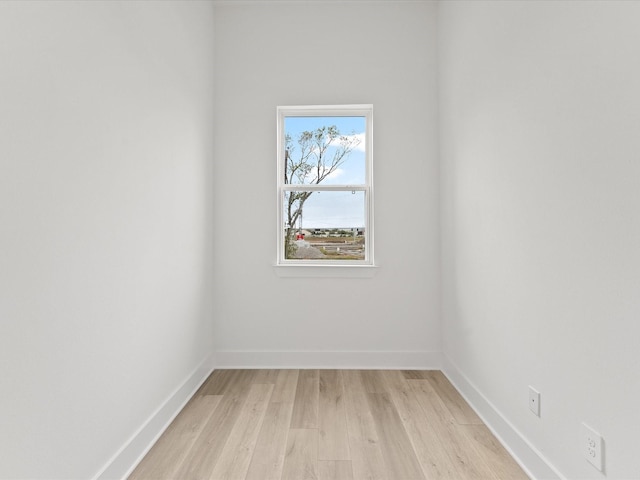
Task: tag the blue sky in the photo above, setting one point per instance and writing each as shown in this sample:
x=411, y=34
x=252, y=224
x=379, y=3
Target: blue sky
x=352, y=171
x=335, y=209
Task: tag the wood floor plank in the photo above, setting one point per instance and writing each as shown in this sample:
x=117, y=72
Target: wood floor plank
x=228, y=381
x=431, y=402
x=301, y=457
x=235, y=457
x=468, y=463
x=305, y=405
x=268, y=456
x=204, y=385
x=334, y=470
x=217, y=382
x=201, y=459
x=172, y=447
x=498, y=459
x=373, y=381
x=265, y=376
x=459, y=408
x=286, y=385
x=332, y=422
x=364, y=447
x=432, y=452
x=415, y=374
x=396, y=447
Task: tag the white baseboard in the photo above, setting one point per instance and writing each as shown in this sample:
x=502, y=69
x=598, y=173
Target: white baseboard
x=131, y=453
x=402, y=360
x=528, y=457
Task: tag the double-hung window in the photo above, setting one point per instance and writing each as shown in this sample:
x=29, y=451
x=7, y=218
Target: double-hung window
x=325, y=194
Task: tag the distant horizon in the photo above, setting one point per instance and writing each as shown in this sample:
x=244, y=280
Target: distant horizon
x=329, y=228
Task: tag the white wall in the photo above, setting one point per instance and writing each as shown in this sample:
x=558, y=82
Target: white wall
x=541, y=206
x=283, y=53
x=105, y=151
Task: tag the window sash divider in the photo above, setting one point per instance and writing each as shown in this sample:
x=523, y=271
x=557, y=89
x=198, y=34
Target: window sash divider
x=290, y=187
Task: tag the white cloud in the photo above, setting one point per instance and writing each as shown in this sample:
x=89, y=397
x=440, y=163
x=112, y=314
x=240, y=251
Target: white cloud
x=338, y=172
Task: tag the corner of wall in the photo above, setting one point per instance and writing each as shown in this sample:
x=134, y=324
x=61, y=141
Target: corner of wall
x=532, y=461
x=135, y=448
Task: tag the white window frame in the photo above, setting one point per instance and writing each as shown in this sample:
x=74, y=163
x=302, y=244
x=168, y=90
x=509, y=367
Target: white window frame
x=326, y=111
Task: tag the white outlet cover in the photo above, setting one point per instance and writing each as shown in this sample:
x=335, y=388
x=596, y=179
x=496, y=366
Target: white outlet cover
x=534, y=400
x=591, y=442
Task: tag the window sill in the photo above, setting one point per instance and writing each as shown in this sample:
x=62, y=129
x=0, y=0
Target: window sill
x=325, y=271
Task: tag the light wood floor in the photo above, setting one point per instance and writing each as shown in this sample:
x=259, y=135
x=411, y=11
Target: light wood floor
x=327, y=424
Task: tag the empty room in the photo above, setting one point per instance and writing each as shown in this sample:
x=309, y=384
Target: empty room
x=319, y=239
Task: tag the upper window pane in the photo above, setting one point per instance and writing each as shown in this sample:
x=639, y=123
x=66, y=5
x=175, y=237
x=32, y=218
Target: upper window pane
x=325, y=149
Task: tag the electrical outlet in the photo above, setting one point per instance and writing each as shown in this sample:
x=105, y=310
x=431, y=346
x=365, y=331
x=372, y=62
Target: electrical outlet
x=534, y=400
x=592, y=447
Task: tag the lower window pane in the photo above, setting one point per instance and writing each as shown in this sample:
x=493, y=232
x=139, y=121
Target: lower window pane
x=327, y=225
